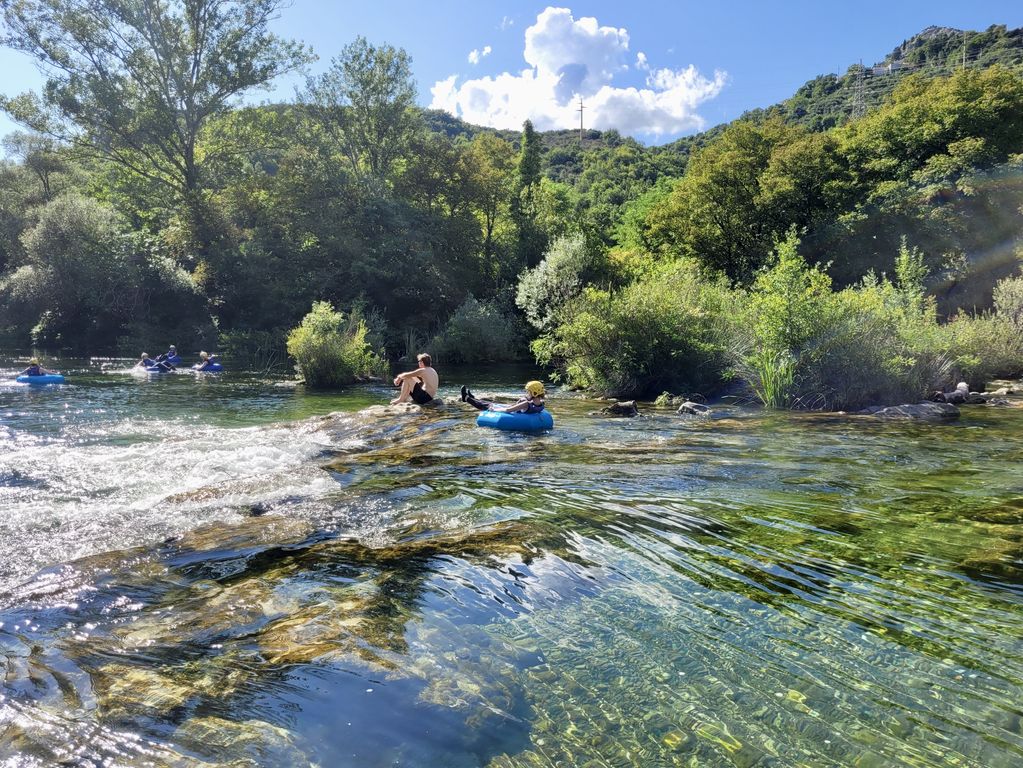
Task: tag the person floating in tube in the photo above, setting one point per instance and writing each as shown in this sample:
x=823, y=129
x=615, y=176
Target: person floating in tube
x=35, y=369
x=418, y=386
x=531, y=402
x=170, y=356
x=153, y=365
x=206, y=360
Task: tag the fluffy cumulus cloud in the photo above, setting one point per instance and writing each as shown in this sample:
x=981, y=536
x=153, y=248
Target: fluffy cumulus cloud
x=570, y=59
x=476, y=54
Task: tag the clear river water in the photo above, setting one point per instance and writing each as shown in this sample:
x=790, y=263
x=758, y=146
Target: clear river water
x=230, y=571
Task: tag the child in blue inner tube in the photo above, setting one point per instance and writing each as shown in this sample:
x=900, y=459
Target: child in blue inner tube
x=34, y=369
x=153, y=365
x=531, y=402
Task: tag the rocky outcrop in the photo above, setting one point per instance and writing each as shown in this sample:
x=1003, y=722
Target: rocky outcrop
x=923, y=411
x=689, y=408
x=961, y=395
x=621, y=408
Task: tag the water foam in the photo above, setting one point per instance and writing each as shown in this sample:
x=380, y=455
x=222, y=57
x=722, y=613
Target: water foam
x=135, y=482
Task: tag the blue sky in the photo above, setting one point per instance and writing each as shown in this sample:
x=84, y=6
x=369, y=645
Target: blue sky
x=653, y=70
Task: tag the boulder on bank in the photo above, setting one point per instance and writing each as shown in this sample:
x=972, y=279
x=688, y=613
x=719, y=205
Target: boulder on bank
x=961, y=395
x=923, y=411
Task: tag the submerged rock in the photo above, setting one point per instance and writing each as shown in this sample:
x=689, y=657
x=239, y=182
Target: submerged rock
x=693, y=409
x=621, y=408
x=924, y=411
x=252, y=742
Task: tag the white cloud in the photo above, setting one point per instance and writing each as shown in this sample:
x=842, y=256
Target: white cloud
x=570, y=58
x=475, y=55
x=506, y=22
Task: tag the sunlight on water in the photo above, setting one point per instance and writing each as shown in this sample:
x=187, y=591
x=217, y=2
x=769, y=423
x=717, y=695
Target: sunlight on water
x=284, y=579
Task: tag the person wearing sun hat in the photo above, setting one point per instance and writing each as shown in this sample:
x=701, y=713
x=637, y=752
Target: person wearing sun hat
x=532, y=402
x=35, y=369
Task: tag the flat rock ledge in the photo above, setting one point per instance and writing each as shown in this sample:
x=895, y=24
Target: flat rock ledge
x=923, y=411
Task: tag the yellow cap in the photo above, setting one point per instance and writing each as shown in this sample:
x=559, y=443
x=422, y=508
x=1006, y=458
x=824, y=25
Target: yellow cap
x=535, y=388
x=34, y=361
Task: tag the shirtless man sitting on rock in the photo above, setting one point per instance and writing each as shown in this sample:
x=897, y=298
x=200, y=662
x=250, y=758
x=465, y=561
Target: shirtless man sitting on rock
x=418, y=386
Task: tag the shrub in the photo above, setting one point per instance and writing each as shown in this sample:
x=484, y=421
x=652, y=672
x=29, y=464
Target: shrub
x=983, y=347
x=478, y=331
x=802, y=345
x=665, y=332
x=545, y=289
x=82, y=272
x=331, y=350
x=1008, y=300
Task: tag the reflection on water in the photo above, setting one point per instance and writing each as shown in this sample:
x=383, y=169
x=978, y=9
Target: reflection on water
x=261, y=583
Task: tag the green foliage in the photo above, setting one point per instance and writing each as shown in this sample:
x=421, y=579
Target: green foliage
x=330, y=349
x=544, y=290
x=910, y=270
x=86, y=282
x=666, y=332
x=801, y=345
x=365, y=102
x=716, y=212
x=983, y=347
x=478, y=332
x=138, y=81
x=1008, y=300
x=265, y=351
x=530, y=155
x=772, y=377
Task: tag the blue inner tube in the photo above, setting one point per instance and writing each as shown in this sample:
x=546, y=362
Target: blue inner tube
x=46, y=378
x=211, y=368
x=516, y=422
x=154, y=369
x=174, y=359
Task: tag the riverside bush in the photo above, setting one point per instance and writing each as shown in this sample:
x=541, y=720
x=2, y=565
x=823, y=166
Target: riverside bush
x=331, y=349
x=545, y=289
x=664, y=332
x=1008, y=300
x=802, y=345
x=984, y=347
x=478, y=331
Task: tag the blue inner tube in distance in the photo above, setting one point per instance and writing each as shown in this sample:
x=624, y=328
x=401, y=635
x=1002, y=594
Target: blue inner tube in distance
x=46, y=378
x=516, y=422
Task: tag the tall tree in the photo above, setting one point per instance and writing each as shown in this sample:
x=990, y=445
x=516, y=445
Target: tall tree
x=489, y=163
x=530, y=155
x=39, y=154
x=366, y=102
x=138, y=80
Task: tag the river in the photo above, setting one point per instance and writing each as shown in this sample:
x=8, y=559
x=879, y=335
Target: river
x=228, y=570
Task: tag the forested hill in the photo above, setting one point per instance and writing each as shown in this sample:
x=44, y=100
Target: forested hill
x=824, y=102
x=832, y=99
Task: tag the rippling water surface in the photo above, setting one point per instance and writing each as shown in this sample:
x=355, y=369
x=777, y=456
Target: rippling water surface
x=229, y=571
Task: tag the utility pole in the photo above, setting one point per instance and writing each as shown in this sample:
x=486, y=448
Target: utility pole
x=964, y=49
x=580, y=111
x=859, y=100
